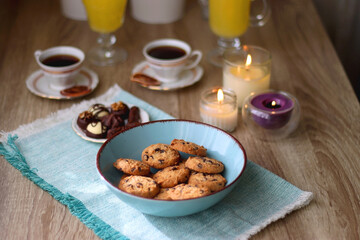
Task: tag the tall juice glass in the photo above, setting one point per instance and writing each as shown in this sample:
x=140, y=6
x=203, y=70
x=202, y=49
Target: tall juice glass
x=229, y=19
x=105, y=17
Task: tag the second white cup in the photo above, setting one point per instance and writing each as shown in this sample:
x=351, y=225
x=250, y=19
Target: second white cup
x=169, y=57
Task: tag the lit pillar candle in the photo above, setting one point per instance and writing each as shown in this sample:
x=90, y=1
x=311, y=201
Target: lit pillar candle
x=246, y=70
x=218, y=107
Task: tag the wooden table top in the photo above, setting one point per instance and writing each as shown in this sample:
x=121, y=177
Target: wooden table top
x=322, y=156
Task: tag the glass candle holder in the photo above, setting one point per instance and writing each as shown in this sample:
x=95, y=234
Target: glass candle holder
x=271, y=114
x=218, y=107
x=246, y=70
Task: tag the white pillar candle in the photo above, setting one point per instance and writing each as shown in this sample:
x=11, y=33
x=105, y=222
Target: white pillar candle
x=244, y=80
x=246, y=70
x=218, y=107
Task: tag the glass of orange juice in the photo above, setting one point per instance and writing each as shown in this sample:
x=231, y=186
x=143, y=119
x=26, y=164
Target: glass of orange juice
x=105, y=17
x=229, y=19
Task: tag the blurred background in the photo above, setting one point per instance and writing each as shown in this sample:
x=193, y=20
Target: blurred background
x=341, y=19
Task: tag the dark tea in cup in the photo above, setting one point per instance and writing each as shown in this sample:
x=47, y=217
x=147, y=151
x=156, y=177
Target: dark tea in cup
x=60, y=60
x=166, y=52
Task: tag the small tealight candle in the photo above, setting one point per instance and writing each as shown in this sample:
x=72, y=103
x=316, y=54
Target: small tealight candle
x=246, y=70
x=271, y=110
x=218, y=107
x=271, y=114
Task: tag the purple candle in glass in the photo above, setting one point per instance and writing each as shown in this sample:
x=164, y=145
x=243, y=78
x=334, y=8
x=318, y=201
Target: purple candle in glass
x=271, y=110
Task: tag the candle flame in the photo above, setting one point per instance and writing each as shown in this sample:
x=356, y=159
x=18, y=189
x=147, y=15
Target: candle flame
x=273, y=103
x=248, y=60
x=220, y=96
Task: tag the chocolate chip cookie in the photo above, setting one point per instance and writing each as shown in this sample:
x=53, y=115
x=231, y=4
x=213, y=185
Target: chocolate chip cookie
x=215, y=182
x=171, y=176
x=181, y=163
x=140, y=186
x=187, y=191
x=132, y=167
x=164, y=194
x=160, y=156
x=188, y=147
x=204, y=165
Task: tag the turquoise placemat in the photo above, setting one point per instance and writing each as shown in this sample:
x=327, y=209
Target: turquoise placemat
x=50, y=154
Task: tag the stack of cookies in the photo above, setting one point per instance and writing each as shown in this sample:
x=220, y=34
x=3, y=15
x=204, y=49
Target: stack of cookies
x=175, y=178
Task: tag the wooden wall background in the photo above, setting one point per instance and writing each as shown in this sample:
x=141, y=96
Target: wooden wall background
x=341, y=18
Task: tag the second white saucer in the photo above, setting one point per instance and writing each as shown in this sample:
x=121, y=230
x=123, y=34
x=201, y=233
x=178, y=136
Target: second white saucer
x=186, y=78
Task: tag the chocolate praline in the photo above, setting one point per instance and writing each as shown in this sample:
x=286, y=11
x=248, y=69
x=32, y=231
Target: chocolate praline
x=112, y=121
x=121, y=109
x=99, y=110
x=113, y=131
x=96, y=129
x=134, y=115
x=84, y=119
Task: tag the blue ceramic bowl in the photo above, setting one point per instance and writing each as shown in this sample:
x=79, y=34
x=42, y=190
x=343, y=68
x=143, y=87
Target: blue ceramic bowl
x=130, y=144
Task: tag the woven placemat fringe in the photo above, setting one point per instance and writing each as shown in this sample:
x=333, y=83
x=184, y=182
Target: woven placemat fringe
x=13, y=155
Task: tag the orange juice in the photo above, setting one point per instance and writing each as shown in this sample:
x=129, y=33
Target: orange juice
x=229, y=18
x=105, y=16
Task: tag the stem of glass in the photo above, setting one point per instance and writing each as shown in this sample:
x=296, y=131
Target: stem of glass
x=107, y=52
x=226, y=43
x=107, y=41
x=216, y=55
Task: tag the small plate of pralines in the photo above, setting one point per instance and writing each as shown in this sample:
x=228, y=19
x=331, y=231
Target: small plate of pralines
x=101, y=122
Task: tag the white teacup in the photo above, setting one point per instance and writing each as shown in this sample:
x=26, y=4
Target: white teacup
x=60, y=65
x=169, y=57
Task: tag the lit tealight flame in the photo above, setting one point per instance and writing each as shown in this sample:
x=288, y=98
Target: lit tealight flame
x=220, y=96
x=272, y=104
x=248, y=60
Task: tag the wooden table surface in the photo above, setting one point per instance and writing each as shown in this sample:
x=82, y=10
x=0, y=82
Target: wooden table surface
x=322, y=156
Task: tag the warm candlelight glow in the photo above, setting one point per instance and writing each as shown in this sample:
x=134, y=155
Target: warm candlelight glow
x=245, y=72
x=216, y=111
x=272, y=104
x=220, y=96
x=248, y=60
x=247, y=66
x=238, y=71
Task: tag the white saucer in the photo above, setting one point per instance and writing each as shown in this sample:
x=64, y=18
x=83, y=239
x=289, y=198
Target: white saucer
x=39, y=85
x=144, y=116
x=186, y=78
